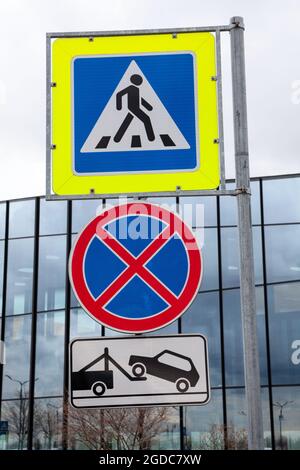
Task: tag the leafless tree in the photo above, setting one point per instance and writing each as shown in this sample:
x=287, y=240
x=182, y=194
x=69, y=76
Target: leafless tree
x=215, y=438
x=46, y=424
x=122, y=428
x=16, y=413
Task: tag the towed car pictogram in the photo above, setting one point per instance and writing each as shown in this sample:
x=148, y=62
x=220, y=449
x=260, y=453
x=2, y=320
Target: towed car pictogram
x=162, y=366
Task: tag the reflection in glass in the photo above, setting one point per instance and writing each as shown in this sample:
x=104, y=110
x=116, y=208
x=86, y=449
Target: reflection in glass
x=203, y=317
x=234, y=364
x=230, y=256
x=286, y=409
x=284, y=326
x=168, y=203
x=21, y=218
x=83, y=211
x=50, y=353
x=237, y=418
x=116, y=201
x=52, y=273
x=167, y=436
x=124, y=428
x=82, y=324
x=74, y=301
x=2, y=220
x=228, y=205
x=1, y=273
x=17, y=352
x=209, y=250
x=203, y=426
x=282, y=252
x=171, y=329
x=281, y=200
x=19, y=276
x=47, y=423
x=199, y=211
x=15, y=412
x=110, y=332
x=53, y=217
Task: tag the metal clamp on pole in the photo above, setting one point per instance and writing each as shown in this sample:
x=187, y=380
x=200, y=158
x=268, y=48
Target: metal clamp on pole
x=248, y=304
x=243, y=190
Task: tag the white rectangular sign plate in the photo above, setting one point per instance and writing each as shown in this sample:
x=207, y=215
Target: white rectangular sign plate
x=139, y=371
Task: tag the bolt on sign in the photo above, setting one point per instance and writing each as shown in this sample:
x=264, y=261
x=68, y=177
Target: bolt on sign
x=131, y=114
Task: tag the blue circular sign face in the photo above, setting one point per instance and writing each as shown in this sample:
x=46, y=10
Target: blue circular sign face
x=136, y=267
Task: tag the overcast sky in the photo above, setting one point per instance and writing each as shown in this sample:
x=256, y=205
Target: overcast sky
x=273, y=74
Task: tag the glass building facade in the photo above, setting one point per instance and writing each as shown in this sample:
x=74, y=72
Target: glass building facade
x=40, y=314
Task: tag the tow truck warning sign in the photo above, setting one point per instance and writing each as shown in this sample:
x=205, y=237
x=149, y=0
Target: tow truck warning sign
x=139, y=371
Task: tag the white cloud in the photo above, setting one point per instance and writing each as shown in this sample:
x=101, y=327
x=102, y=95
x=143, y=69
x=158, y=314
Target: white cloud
x=272, y=52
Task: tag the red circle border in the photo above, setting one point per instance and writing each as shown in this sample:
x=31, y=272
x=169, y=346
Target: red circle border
x=143, y=325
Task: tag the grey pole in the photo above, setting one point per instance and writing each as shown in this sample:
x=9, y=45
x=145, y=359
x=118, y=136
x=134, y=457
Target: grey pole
x=248, y=307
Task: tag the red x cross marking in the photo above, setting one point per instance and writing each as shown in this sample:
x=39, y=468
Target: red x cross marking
x=135, y=266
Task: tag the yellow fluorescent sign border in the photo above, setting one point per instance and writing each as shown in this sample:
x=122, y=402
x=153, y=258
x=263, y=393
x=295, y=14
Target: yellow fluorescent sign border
x=64, y=50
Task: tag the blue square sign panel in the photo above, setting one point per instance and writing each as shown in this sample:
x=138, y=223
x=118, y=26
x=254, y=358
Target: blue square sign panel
x=135, y=114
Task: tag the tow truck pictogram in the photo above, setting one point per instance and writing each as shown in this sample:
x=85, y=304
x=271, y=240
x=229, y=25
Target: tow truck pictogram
x=102, y=380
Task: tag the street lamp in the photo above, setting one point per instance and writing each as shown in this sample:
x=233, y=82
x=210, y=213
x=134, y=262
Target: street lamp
x=21, y=410
x=281, y=417
x=19, y=382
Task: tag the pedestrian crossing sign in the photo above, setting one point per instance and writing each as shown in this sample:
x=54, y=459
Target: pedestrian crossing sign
x=134, y=114
x=130, y=122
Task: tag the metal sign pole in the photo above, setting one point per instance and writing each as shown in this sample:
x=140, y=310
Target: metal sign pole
x=251, y=361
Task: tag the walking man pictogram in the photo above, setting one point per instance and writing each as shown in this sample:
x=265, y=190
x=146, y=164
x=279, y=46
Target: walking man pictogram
x=133, y=104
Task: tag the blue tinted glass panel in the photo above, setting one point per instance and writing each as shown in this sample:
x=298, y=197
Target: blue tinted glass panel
x=228, y=205
x=2, y=220
x=17, y=348
x=199, y=211
x=83, y=325
x=74, y=301
x=50, y=353
x=53, y=217
x=168, y=203
x=281, y=200
x=1, y=273
x=203, y=317
x=21, y=218
x=19, y=276
x=170, y=329
x=284, y=325
x=208, y=243
x=230, y=256
x=83, y=211
x=52, y=273
x=233, y=337
x=282, y=252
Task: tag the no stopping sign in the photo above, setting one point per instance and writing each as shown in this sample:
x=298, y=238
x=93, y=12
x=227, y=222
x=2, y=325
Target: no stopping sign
x=135, y=267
